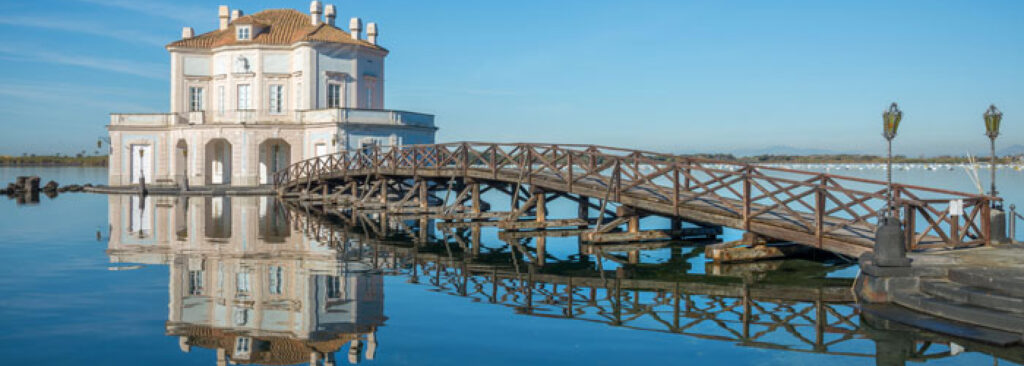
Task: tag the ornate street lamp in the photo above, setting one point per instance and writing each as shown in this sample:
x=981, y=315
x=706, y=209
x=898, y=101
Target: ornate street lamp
x=992, y=119
x=890, y=124
x=890, y=243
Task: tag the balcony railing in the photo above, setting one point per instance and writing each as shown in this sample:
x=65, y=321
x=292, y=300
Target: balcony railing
x=369, y=116
x=265, y=116
x=146, y=119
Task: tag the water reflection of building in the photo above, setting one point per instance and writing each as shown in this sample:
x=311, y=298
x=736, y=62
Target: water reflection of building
x=246, y=283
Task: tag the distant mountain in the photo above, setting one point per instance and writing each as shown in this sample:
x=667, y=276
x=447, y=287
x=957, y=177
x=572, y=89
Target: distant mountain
x=1015, y=149
x=783, y=150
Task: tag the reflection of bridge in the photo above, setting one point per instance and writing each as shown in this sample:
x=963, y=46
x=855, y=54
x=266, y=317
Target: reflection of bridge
x=260, y=283
x=831, y=212
x=773, y=312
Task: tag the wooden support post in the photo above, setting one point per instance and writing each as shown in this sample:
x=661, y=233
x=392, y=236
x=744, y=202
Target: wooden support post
x=424, y=229
x=675, y=254
x=634, y=257
x=569, y=291
x=675, y=309
x=474, y=237
x=475, y=187
x=423, y=198
x=542, y=252
x=746, y=201
x=541, y=205
x=819, y=216
x=746, y=311
x=676, y=228
x=494, y=286
x=820, y=321
x=909, y=216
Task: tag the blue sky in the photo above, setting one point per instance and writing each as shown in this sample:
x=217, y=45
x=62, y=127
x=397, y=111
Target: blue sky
x=676, y=76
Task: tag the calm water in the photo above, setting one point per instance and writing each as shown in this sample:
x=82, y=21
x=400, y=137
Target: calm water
x=113, y=280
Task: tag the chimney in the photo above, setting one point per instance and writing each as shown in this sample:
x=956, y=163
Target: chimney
x=314, y=12
x=187, y=32
x=329, y=13
x=355, y=26
x=222, y=13
x=371, y=32
x=235, y=14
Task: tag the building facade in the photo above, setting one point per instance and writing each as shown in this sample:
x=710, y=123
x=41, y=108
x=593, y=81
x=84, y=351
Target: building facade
x=260, y=92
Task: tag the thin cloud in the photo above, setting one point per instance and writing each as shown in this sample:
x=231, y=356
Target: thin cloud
x=90, y=28
x=73, y=94
x=158, y=9
x=134, y=68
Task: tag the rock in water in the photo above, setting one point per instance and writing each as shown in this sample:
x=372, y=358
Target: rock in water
x=51, y=186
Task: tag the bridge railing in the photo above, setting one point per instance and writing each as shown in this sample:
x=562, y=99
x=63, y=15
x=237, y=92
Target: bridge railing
x=809, y=207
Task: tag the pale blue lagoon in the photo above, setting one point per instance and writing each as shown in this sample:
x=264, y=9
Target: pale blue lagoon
x=116, y=280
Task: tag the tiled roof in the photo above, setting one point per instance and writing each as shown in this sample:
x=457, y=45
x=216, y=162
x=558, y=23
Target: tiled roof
x=280, y=27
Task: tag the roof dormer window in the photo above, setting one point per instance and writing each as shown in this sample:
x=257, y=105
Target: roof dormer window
x=244, y=32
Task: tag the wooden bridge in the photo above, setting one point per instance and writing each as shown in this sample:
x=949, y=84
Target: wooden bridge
x=826, y=211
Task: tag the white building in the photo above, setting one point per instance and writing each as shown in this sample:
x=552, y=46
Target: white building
x=261, y=92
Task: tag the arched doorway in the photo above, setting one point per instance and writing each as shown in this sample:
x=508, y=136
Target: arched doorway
x=218, y=162
x=275, y=154
x=181, y=163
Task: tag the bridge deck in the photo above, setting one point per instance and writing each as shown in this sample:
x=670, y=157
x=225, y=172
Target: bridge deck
x=825, y=211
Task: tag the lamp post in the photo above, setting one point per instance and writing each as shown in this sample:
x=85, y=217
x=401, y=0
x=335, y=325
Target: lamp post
x=997, y=218
x=992, y=119
x=890, y=243
x=890, y=124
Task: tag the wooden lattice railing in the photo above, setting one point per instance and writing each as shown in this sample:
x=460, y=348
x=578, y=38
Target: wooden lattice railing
x=816, y=209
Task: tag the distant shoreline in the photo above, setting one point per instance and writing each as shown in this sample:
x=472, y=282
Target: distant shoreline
x=54, y=161
x=101, y=161
x=858, y=159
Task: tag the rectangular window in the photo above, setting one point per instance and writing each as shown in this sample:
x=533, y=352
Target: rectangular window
x=220, y=100
x=195, y=99
x=276, y=279
x=242, y=282
x=195, y=282
x=243, y=33
x=243, y=97
x=276, y=99
x=369, y=97
x=241, y=316
x=333, y=95
x=333, y=287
